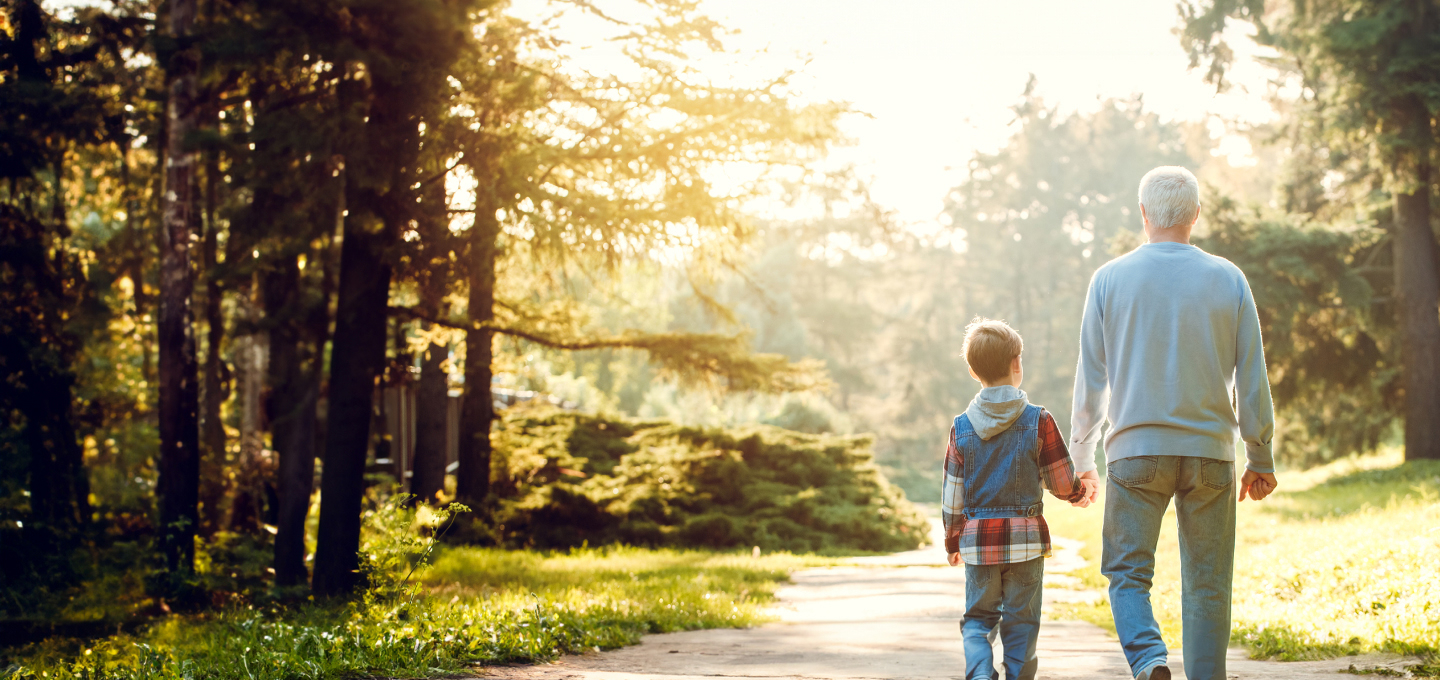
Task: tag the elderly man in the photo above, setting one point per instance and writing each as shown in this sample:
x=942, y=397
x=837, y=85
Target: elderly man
x=1171, y=341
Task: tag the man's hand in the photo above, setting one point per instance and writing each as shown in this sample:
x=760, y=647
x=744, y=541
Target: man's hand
x=1257, y=485
x=1090, y=483
x=954, y=559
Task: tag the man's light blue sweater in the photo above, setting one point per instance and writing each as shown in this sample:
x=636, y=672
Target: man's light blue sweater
x=1170, y=352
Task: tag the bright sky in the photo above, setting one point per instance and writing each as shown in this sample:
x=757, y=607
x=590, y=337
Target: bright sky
x=938, y=76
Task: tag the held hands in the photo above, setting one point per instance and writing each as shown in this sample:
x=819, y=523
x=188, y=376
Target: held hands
x=1257, y=485
x=1090, y=483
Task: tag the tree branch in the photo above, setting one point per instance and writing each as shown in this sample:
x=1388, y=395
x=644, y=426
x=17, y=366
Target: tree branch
x=632, y=340
x=690, y=357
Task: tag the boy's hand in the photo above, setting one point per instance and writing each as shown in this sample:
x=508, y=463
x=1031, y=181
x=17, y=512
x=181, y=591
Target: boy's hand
x=953, y=559
x=1090, y=484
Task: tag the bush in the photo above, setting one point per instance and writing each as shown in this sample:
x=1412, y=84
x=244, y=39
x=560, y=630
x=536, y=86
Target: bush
x=567, y=479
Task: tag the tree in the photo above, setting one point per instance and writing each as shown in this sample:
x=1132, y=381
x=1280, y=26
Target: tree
x=1368, y=71
x=596, y=170
x=396, y=62
x=179, y=374
x=52, y=73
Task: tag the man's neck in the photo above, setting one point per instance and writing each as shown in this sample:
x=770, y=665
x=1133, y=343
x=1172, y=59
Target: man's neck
x=1170, y=235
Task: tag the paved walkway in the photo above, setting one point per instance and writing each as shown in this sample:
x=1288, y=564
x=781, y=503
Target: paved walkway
x=894, y=616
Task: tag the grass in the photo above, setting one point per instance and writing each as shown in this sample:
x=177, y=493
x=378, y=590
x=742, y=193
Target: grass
x=1340, y=560
x=476, y=606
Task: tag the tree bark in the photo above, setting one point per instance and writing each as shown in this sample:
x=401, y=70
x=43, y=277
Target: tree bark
x=299, y=443
x=1417, y=287
x=253, y=469
x=179, y=459
x=212, y=429
x=431, y=405
x=292, y=421
x=357, y=359
x=472, y=479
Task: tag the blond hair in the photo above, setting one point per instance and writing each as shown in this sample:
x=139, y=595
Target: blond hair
x=989, y=346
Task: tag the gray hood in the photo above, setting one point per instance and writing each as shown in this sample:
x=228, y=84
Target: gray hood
x=995, y=409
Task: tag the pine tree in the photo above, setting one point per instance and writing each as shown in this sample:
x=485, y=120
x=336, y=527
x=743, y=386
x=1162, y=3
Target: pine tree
x=1369, y=70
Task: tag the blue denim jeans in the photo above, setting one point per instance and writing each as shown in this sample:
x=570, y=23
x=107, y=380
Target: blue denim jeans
x=1136, y=495
x=1007, y=595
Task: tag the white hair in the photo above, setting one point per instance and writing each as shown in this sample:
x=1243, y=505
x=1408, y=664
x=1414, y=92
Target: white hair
x=1170, y=196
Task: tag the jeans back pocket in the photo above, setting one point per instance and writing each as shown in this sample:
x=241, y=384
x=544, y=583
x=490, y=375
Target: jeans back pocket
x=1133, y=471
x=1217, y=474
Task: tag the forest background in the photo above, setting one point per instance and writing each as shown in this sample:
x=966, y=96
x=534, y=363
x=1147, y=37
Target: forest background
x=227, y=223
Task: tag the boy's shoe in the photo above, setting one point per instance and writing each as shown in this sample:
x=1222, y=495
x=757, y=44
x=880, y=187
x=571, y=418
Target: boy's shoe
x=1157, y=672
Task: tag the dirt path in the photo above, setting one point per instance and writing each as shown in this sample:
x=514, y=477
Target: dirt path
x=886, y=617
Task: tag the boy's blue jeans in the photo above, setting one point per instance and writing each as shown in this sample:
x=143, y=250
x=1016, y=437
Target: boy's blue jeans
x=1008, y=595
x=1136, y=495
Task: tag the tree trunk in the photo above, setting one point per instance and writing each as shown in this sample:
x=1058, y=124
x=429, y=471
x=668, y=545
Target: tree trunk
x=1416, y=289
x=292, y=417
x=357, y=359
x=212, y=430
x=179, y=459
x=253, y=469
x=428, y=471
x=472, y=479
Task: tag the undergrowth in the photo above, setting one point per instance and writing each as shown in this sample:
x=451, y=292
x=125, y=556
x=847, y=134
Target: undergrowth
x=471, y=607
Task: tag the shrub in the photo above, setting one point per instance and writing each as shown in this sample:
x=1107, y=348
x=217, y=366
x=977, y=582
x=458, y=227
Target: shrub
x=567, y=479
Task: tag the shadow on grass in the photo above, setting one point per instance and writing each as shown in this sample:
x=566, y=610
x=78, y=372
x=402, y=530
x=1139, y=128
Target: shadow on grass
x=1360, y=490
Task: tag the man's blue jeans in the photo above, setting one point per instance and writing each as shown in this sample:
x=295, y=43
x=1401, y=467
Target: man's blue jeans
x=1007, y=595
x=1136, y=495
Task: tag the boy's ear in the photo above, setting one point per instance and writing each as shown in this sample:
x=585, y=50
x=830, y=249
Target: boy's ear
x=1015, y=364
x=973, y=375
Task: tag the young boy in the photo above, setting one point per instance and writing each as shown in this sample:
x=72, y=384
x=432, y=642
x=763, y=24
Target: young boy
x=1002, y=450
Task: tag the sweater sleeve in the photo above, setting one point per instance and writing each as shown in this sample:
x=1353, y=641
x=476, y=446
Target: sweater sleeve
x=1092, y=387
x=1254, y=409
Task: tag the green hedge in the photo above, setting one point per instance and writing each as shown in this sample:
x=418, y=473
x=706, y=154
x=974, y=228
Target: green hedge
x=567, y=479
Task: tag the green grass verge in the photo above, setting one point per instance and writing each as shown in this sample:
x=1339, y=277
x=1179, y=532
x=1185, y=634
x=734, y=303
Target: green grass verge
x=478, y=606
x=1340, y=560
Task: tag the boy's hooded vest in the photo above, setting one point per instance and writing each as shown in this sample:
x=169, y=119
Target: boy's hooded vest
x=1002, y=477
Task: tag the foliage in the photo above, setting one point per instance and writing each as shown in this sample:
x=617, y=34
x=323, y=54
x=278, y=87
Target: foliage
x=55, y=78
x=480, y=606
x=1334, y=373
x=1324, y=567
x=568, y=479
x=1361, y=66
